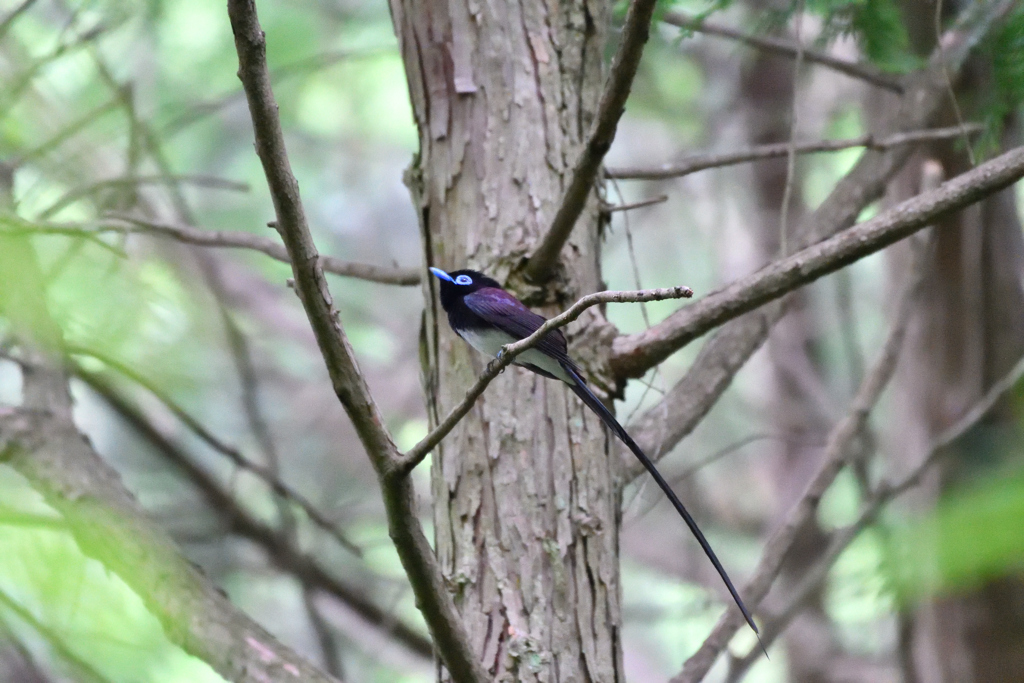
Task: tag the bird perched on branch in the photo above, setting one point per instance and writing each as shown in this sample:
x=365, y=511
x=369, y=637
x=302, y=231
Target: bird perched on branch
x=488, y=318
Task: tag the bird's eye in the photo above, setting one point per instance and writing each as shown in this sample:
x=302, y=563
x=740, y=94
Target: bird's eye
x=463, y=280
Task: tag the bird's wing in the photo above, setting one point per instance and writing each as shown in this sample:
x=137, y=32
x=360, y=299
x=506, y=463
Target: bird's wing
x=505, y=312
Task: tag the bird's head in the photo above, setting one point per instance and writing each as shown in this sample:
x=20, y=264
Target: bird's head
x=459, y=283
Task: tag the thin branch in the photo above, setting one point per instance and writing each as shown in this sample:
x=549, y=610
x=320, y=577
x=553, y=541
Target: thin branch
x=279, y=75
x=231, y=239
x=664, y=425
x=11, y=516
x=778, y=46
x=794, y=124
x=633, y=354
x=212, y=182
x=832, y=462
x=612, y=208
x=729, y=348
x=509, y=353
x=414, y=551
x=635, y=33
x=65, y=134
x=266, y=474
x=42, y=443
x=884, y=494
x=699, y=162
x=280, y=550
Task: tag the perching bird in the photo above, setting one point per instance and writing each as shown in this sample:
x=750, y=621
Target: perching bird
x=488, y=318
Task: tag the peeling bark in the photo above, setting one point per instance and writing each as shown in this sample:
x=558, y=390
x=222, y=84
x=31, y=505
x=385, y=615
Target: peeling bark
x=526, y=502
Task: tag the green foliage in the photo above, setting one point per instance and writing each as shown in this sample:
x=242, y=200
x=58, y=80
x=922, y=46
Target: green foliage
x=52, y=593
x=876, y=25
x=1005, y=53
x=970, y=538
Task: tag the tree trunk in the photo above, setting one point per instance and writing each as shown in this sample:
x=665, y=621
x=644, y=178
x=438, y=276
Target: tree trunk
x=526, y=501
x=969, y=332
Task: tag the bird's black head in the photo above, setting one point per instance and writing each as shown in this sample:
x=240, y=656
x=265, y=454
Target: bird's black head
x=459, y=283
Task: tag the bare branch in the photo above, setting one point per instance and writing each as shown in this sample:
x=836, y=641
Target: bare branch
x=634, y=353
x=41, y=442
x=693, y=163
x=884, y=494
x=925, y=91
x=612, y=208
x=245, y=240
x=663, y=426
x=613, y=103
x=278, y=487
x=83, y=671
x=833, y=460
x=432, y=596
x=212, y=182
x=729, y=348
x=785, y=48
x=508, y=354
x=230, y=239
x=280, y=551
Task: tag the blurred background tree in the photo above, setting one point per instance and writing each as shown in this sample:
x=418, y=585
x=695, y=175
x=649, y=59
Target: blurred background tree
x=126, y=145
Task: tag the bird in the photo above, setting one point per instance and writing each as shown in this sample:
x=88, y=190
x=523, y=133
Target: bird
x=487, y=317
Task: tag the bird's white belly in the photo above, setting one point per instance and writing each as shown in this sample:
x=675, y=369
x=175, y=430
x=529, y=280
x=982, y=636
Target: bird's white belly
x=489, y=343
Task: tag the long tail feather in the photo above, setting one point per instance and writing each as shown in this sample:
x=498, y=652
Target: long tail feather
x=594, y=403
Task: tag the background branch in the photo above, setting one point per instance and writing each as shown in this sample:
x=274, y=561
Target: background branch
x=729, y=348
x=832, y=461
x=635, y=353
x=785, y=48
x=417, y=557
x=700, y=162
x=279, y=549
x=635, y=33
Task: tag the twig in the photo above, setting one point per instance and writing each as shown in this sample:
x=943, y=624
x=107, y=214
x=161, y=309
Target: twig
x=685, y=405
x=633, y=354
x=231, y=239
x=65, y=134
x=509, y=353
x=700, y=162
x=280, y=551
x=266, y=474
x=612, y=208
x=107, y=523
x=949, y=85
x=864, y=72
x=833, y=460
x=418, y=559
x=10, y=516
x=883, y=495
x=794, y=124
x=635, y=32
x=279, y=75
x=212, y=182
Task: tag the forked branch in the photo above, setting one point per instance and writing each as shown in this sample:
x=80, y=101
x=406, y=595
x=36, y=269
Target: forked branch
x=599, y=140
x=635, y=353
x=509, y=352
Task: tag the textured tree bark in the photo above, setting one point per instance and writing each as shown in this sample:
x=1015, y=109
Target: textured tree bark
x=526, y=502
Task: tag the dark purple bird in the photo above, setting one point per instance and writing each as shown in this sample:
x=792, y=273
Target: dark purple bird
x=488, y=318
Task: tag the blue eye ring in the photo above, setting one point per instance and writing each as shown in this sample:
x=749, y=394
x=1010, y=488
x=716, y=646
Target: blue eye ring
x=463, y=280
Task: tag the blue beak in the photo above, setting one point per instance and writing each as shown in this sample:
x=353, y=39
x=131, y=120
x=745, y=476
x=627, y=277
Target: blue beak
x=441, y=274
